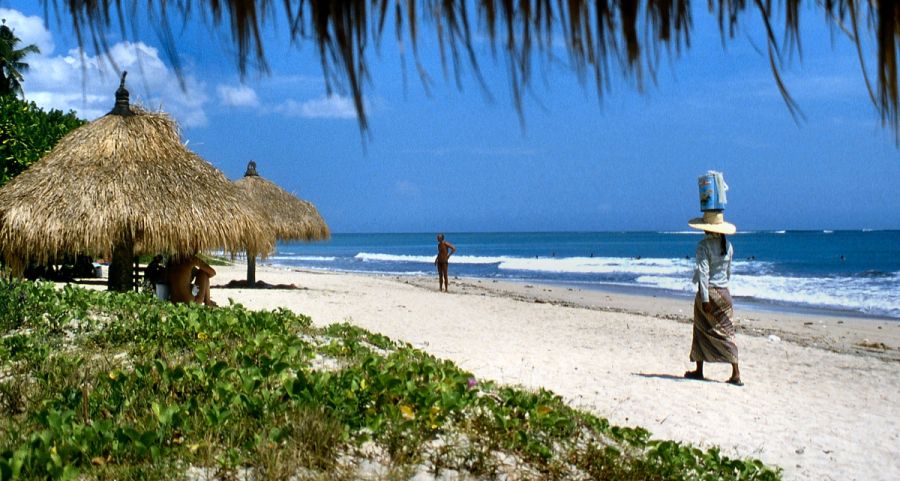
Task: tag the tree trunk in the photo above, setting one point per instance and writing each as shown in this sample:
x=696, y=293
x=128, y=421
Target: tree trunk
x=251, y=269
x=5, y=88
x=16, y=266
x=121, y=268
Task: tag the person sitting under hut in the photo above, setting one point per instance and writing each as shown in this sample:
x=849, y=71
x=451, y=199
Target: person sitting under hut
x=181, y=271
x=155, y=272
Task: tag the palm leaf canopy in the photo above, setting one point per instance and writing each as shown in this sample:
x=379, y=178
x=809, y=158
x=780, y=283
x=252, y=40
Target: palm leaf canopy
x=291, y=218
x=600, y=36
x=125, y=179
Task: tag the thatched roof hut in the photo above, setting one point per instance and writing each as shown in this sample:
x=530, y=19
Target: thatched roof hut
x=291, y=218
x=124, y=185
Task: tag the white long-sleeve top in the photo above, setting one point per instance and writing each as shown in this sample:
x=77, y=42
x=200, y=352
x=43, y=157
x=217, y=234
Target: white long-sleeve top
x=713, y=268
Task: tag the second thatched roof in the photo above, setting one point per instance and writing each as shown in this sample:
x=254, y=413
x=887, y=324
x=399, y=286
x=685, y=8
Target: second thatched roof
x=292, y=218
x=125, y=178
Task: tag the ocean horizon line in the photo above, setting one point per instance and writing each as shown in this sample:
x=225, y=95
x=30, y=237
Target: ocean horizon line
x=614, y=231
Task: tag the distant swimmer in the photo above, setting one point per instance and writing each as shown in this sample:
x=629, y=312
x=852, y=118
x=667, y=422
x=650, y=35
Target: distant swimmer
x=843, y=258
x=442, y=261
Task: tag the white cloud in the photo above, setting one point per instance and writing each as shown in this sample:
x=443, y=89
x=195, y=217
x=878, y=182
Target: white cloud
x=334, y=107
x=87, y=84
x=240, y=96
x=29, y=29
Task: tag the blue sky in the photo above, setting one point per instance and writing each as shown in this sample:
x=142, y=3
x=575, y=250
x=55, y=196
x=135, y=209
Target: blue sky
x=458, y=161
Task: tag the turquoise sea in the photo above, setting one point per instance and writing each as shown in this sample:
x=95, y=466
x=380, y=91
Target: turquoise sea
x=851, y=271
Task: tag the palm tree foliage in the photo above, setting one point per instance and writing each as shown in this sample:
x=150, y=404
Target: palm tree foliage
x=11, y=64
x=602, y=37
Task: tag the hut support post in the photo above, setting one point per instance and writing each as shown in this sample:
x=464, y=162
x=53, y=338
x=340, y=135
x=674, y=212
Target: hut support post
x=120, y=268
x=251, y=269
x=16, y=267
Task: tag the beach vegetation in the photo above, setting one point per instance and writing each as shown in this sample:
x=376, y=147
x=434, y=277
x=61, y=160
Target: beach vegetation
x=102, y=385
x=215, y=260
x=28, y=132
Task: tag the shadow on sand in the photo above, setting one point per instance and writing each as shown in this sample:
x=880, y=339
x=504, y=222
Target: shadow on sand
x=88, y=282
x=242, y=284
x=670, y=377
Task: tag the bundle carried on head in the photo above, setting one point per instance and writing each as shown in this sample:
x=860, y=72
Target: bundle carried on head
x=713, y=199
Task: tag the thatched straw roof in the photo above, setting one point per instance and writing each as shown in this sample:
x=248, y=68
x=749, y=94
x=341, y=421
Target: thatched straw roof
x=125, y=179
x=292, y=218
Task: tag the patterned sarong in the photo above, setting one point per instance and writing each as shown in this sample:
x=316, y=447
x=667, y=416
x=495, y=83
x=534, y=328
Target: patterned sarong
x=714, y=333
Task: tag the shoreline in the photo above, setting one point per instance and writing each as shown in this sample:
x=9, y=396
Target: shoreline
x=741, y=302
x=878, y=337
x=835, y=330
x=815, y=403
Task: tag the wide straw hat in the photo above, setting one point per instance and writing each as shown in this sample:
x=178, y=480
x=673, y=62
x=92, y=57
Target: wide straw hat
x=713, y=222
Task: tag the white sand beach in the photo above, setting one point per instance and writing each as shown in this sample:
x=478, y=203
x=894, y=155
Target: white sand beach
x=822, y=394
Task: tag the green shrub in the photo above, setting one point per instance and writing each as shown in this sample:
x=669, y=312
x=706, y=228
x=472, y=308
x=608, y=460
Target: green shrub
x=27, y=133
x=122, y=386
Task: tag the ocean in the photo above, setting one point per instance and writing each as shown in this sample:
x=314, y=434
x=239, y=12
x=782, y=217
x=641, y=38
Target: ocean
x=855, y=272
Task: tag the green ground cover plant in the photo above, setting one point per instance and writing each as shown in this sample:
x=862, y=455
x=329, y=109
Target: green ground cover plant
x=98, y=385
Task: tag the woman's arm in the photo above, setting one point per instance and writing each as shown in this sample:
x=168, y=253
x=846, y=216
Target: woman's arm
x=730, y=259
x=703, y=271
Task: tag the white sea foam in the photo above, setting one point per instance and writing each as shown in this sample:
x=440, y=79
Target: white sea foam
x=878, y=293
x=375, y=272
x=563, y=265
x=429, y=259
x=289, y=257
x=599, y=265
x=857, y=294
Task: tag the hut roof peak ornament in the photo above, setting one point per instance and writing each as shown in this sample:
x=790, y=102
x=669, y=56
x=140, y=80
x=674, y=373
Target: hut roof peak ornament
x=122, y=106
x=251, y=170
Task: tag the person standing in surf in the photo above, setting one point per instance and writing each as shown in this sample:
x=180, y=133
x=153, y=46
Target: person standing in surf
x=714, y=338
x=442, y=261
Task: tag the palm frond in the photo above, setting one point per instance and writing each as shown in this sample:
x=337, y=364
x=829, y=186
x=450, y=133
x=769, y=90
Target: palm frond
x=602, y=37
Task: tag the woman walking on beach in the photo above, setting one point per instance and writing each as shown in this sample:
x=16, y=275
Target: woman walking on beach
x=714, y=339
x=445, y=250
